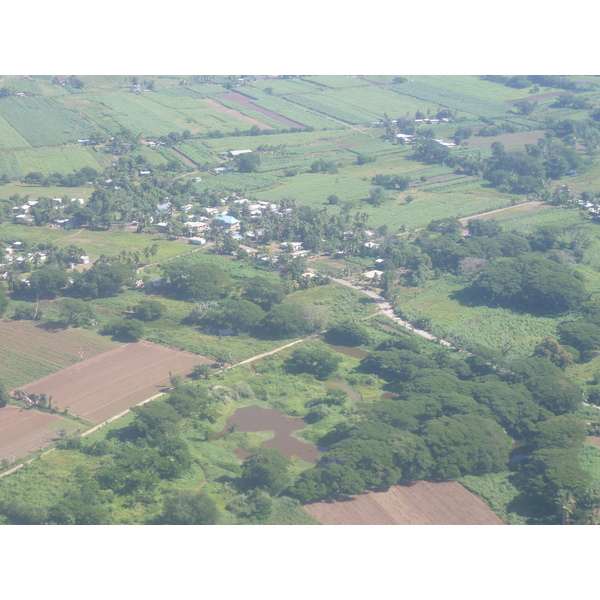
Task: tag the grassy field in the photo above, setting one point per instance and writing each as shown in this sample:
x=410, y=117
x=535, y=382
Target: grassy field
x=97, y=242
x=66, y=159
x=503, y=329
x=42, y=122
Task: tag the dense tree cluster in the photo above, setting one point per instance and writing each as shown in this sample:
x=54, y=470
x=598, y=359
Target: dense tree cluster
x=531, y=283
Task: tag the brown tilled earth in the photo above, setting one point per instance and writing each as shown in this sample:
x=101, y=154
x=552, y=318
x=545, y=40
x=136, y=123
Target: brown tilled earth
x=247, y=102
x=234, y=113
x=421, y=503
x=23, y=431
x=106, y=385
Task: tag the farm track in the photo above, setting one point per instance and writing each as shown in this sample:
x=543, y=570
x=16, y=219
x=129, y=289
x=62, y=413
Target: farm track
x=533, y=204
x=386, y=308
x=189, y=162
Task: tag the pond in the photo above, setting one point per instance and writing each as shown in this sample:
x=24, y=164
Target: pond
x=254, y=418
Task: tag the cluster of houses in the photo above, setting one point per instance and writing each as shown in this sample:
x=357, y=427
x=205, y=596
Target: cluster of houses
x=409, y=138
x=591, y=207
x=16, y=254
x=22, y=212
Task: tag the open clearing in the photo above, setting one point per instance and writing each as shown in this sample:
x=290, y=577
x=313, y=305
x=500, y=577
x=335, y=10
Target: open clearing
x=106, y=385
x=28, y=350
x=421, y=503
x=24, y=431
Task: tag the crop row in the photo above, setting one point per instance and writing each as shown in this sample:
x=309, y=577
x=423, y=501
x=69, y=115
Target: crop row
x=452, y=99
x=332, y=106
x=18, y=163
x=196, y=152
x=286, y=108
x=42, y=123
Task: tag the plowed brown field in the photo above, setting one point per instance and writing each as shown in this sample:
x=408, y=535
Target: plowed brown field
x=28, y=351
x=234, y=113
x=421, y=503
x=106, y=385
x=23, y=431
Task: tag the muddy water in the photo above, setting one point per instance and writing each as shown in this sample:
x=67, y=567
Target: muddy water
x=254, y=418
x=350, y=351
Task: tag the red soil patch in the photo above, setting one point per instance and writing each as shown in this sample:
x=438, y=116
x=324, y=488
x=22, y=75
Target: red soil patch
x=247, y=102
x=421, y=503
x=594, y=440
x=103, y=386
x=23, y=431
x=234, y=113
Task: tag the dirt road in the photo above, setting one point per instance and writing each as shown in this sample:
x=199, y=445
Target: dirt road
x=386, y=308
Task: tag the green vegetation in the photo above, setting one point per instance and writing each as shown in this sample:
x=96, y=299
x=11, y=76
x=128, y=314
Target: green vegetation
x=109, y=189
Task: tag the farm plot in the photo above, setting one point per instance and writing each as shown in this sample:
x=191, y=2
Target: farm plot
x=464, y=103
x=106, y=385
x=18, y=163
x=421, y=503
x=43, y=123
x=29, y=352
x=236, y=114
x=511, y=141
x=10, y=137
x=25, y=431
x=247, y=103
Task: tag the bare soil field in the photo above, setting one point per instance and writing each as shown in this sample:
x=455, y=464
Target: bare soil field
x=247, y=102
x=234, y=113
x=24, y=431
x=103, y=386
x=29, y=350
x=421, y=503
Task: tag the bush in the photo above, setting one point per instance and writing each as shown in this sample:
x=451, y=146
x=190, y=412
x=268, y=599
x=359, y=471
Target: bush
x=317, y=360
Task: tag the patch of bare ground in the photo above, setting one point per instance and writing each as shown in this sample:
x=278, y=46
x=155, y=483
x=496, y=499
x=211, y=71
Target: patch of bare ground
x=594, y=440
x=25, y=431
x=106, y=385
x=420, y=503
x=234, y=113
x=247, y=102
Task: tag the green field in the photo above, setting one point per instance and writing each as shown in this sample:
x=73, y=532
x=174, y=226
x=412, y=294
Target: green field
x=42, y=122
x=68, y=159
